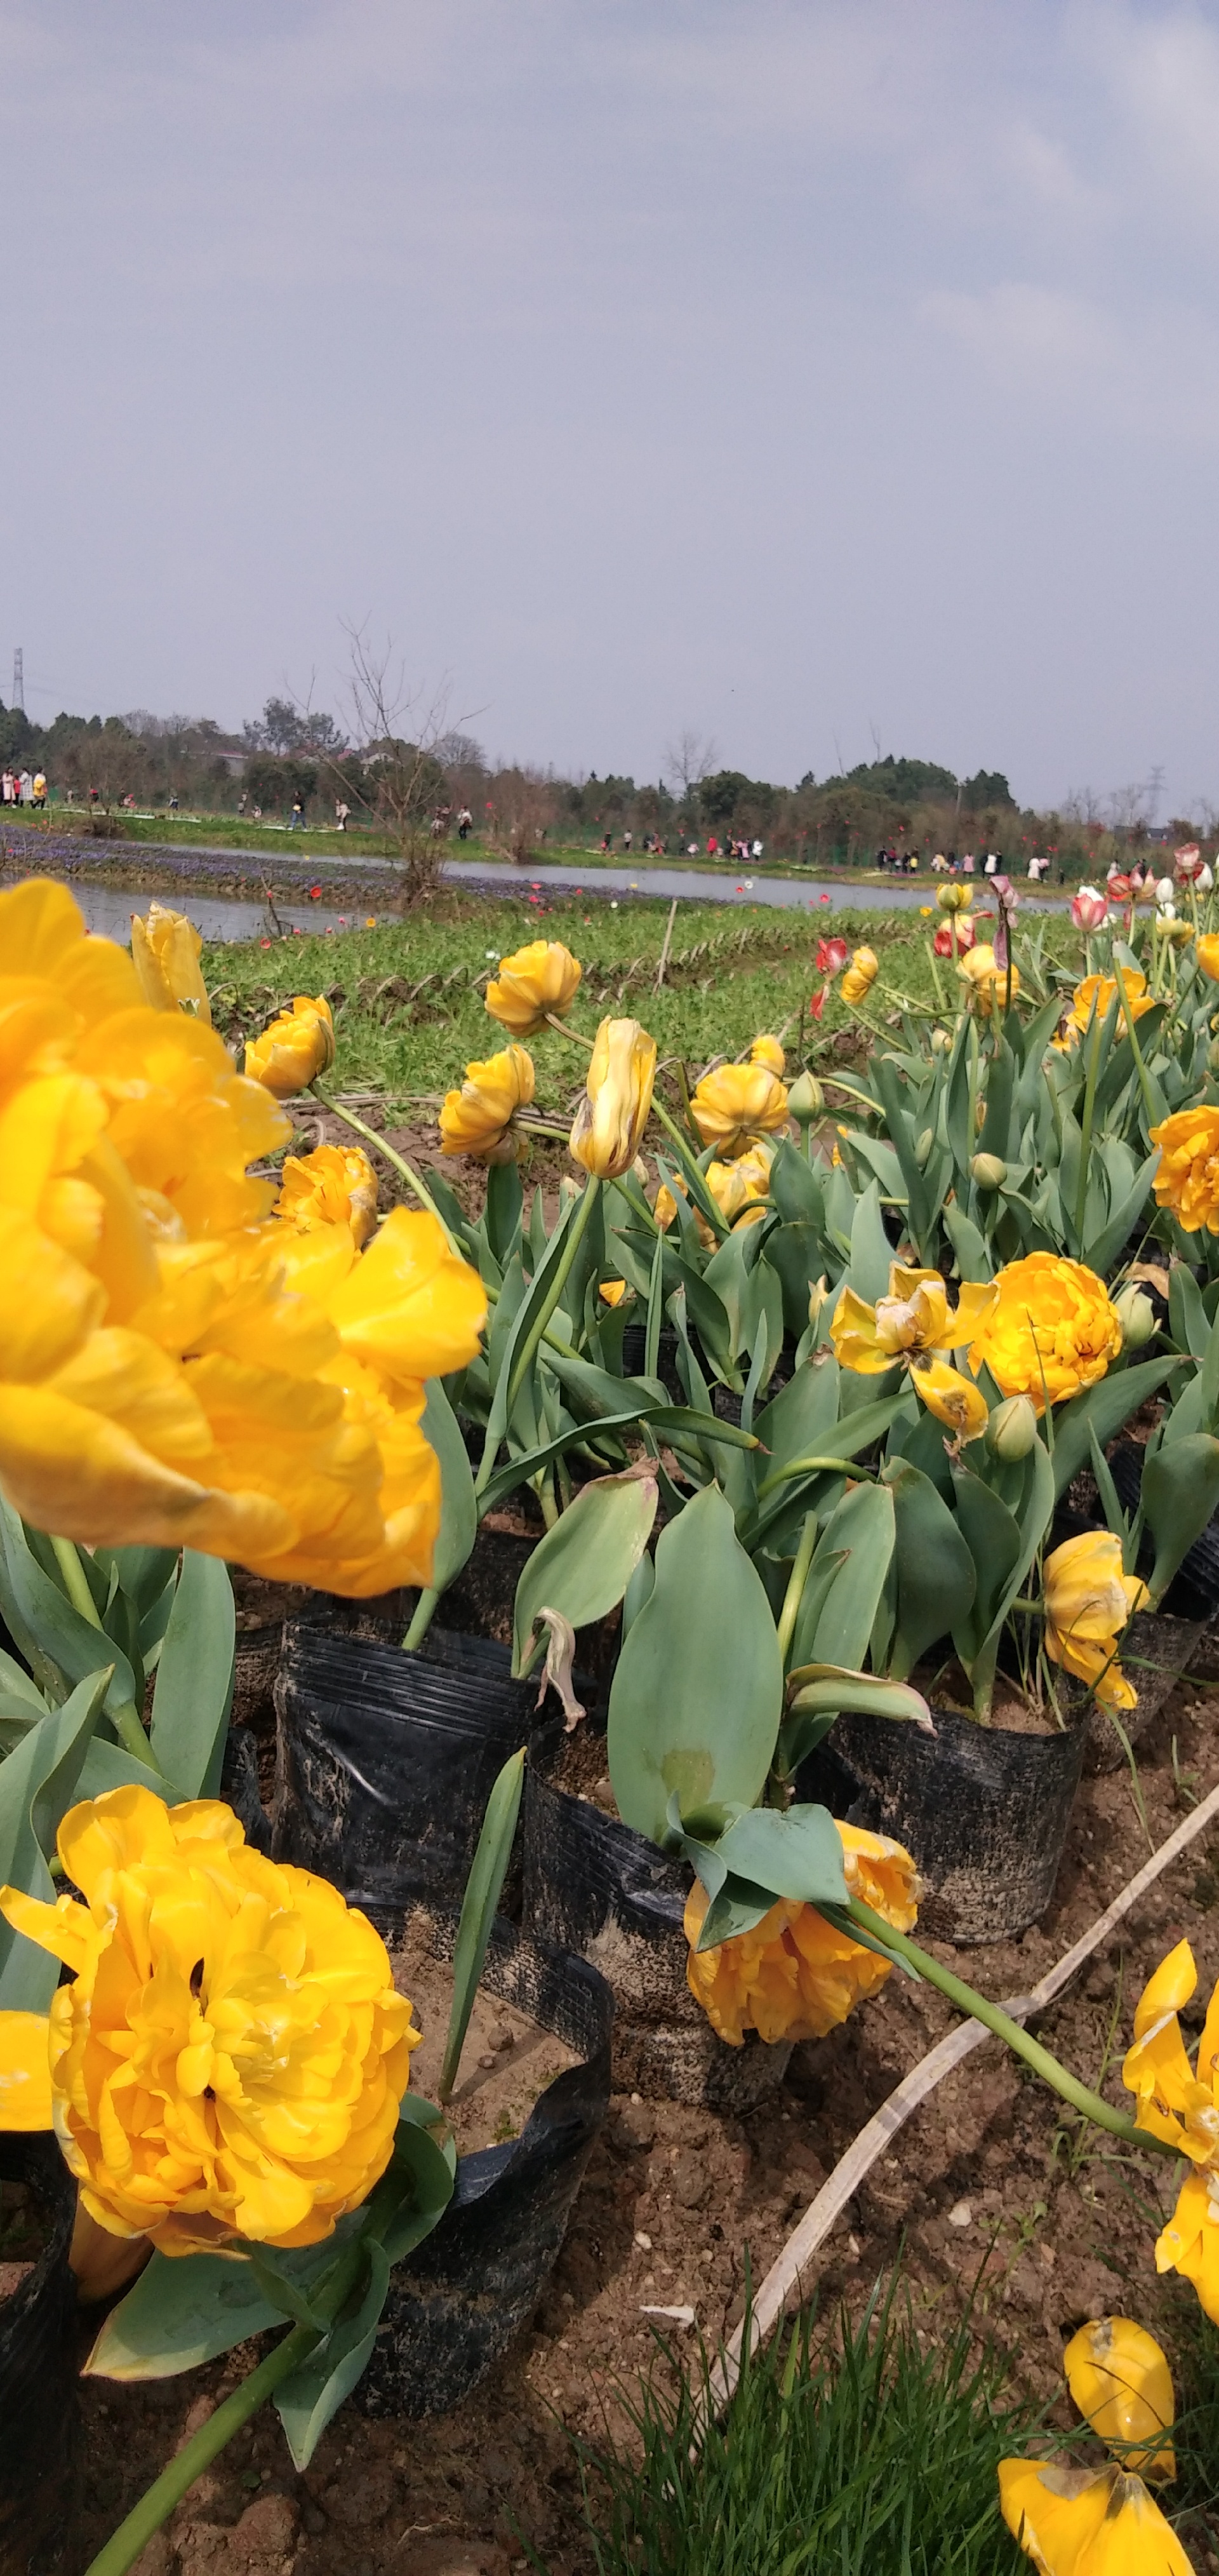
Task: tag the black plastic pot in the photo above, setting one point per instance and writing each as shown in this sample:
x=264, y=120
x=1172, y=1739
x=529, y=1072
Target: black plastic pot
x=385, y=1762
x=984, y=1812
x=39, y=2420
x=1155, y=1650
x=594, y=1887
x=634, y=1341
x=456, y=2305
x=1194, y=1590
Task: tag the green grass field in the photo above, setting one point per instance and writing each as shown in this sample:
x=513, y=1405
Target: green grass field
x=408, y=995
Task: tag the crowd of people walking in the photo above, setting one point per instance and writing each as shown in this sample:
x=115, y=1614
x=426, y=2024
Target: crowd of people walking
x=23, y=787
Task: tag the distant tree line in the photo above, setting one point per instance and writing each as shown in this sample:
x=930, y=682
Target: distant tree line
x=418, y=791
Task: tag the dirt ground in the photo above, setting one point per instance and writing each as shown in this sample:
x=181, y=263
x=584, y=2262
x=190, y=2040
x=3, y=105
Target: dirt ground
x=988, y=2187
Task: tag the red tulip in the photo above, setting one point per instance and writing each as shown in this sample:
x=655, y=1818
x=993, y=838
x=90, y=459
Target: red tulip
x=966, y=935
x=831, y=954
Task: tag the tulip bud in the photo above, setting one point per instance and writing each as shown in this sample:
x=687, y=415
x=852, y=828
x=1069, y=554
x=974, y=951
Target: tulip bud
x=989, y=1171
x=923, y=1149
x=940, y=1041
x=1165, y=890
x=1165, y=923
x=1180, y=933
x=817, y=1295
x=1012, y=1429
x=954, y=898
x=1137, y=1317
x=805, y=1099
x=1205, y=881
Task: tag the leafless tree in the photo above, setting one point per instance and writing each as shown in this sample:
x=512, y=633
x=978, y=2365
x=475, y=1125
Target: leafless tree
x=689, y=760
x=1128, y=806
x=395, y=772
x=522, y=809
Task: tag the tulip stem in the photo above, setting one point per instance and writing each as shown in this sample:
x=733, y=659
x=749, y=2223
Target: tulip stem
x=399, y=1161
x=697, y=1179
x=554, y=1022
x=155, y=2506
x=424, y=1612
x=967, y=2000
x=125, y=1717
x=575, y=1236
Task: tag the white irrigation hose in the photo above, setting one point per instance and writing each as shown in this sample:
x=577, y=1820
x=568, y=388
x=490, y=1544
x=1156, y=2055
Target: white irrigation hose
x=785, y=2273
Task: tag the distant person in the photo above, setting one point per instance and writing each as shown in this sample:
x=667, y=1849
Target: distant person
x=939, y=864
x=8, y=788
x=40, y=792
x=967, y=864
x=173, y=804
x=465, y=823
x=341, y=813
x=692, y=849
x=297, y=822
x=26, y=786
x=712, y=846
x=991, y=864
x=607, y=843
x=757, y=849
x=242, y=801
x=626, y=840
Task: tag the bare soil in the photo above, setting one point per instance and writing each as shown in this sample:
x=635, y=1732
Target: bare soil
x=506, y=2060
x=990, y=2190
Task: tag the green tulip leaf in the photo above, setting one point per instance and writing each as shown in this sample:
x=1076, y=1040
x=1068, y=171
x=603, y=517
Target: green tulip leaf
x=697, y=1692
x=936, y=1579
x=194, y=1687
x=458, y=1505
x=1180, y=1493
x=583, y=1565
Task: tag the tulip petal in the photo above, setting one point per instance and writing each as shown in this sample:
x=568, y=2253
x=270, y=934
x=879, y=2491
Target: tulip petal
x=25, y=2071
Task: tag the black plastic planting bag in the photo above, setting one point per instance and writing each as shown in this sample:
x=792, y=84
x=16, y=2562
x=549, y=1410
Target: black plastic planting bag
x=593, y=1886
x=385, y=1762
x=39, y=2423
x=983, y=1811
x=454, y=2308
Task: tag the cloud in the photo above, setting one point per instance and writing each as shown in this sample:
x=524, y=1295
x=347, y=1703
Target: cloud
x=1019, y=331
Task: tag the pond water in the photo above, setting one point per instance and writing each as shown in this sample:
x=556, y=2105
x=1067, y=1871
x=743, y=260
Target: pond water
x=225, y=917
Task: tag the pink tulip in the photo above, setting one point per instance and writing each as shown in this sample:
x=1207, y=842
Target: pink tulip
x=1188, y=863
x=1089, y=909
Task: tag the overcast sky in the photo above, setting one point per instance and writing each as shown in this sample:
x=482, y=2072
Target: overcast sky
x=817, y=374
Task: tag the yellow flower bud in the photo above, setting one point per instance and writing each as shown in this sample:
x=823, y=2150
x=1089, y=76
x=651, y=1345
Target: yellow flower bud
x=805, y=1099
x=1012, y=1428
x=294, y=1050
x=941, y=1041
x=334, y=1185
x=924, y=1148
x=989, y=1171
x=165, y=951
x=478, y=1119
x=954, y=898
x=613, y=1113
x=1137, y=1317
x=1120, y=2380
x=537, y=982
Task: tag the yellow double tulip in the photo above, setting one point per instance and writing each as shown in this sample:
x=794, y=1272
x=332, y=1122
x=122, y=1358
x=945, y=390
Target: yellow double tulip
x=737, y=1102
x=1051, y=1331
x=987, y=982
x=1187, y=1175
x=295, y=1049
x=1180, y=2102
x=534, y=985
x=795, y=1976
x=334, y=1185
x=230, y=2055
x=478, y=1119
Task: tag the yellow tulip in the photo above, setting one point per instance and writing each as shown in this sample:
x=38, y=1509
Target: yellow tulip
x=1120, y=2380
x=166, y=949
x=612, y=1291
x=1088, y=1600
x=1187, y=1175
x=1051, y=1332
x=295, y=1049
x=478, y=1119
x=794, y=1976
x=910, y=1323
x=952, y=1397
x=1207, y=954
x=739, y=1189
x=984, y=978
x=1180, y=2103
x=230, y=2055
x=334, y=1185
x=537, y=983
x=1087, y=2522
x=737, y=1102
x=664, y=1205
x=860, y=975
x=767, y=1050
x=1097, y=994
x=167, y=1375
x=613, y=1111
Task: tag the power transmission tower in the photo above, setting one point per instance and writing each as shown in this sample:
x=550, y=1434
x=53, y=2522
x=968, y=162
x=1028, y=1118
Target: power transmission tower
x=1155, y=789
x=19, y=679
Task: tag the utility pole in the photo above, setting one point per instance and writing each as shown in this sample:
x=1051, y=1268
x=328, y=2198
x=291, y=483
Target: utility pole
x=19, y=679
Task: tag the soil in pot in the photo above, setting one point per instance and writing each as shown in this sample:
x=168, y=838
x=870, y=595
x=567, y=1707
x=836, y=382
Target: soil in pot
x=508, y=2059
x=39, y=2421
x=983, y=1809
x=457, y=2305
x=593, y=1886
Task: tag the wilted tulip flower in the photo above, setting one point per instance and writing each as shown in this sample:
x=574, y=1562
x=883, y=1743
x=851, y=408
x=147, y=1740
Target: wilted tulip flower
x=613, y=1111
x=294, y=1050
x=1187, y=863
x=1120, y=2379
